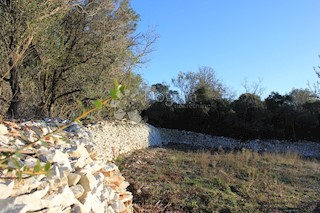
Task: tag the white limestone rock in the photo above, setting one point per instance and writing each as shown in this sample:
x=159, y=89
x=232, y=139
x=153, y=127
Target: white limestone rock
x=59, y=171
x=87, y=202
x=112, y=196
x=88, y=181
x=88, y=160
x=3, y=129
x=56, y=156
x=80, y=151
x=27, y=185
x=110, y=210
x=4, y=140
x=124, y=185
x=6, y=189
x=118, y=206
x=78, y=208
x=58, y=177
x=56, y=209
x=63, y=198
x=30, y=162
x=12, y=208
x=98, y=190
x=63, y=180
x=106, y=194
x=110, y=167
x=73, y=179
x=19, y=142
x=98, y=205
x=25, y=203
x=93, y=204
x=96, y=166
x=79, y=163
x=134, y=116
x=77, y=190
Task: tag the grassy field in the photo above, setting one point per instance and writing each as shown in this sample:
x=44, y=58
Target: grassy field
x=182, y=179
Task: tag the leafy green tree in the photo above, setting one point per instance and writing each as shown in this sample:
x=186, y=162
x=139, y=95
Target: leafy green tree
x=77, y=54
x=283, y=115
x=251, y=113
x=20, y=23
x=246, y=105
x=163, y=93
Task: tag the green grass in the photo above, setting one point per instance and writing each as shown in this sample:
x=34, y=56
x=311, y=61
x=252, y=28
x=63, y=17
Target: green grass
x=171, y=179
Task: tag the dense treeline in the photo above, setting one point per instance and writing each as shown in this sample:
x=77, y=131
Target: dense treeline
x=294, y=116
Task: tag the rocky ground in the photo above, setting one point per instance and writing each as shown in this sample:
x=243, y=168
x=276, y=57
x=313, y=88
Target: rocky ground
x=79, y=180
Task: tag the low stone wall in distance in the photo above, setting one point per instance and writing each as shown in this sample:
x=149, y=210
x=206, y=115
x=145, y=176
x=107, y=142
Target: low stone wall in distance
x=303, y=148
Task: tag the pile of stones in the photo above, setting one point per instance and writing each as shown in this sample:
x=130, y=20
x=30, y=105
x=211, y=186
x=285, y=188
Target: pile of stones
x=79, y=180
x=303, y=148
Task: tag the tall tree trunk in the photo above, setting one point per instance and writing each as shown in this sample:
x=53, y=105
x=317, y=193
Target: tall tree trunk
x=13, y=110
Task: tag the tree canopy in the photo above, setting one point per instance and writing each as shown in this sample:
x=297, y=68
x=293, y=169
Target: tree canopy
x=58, y=52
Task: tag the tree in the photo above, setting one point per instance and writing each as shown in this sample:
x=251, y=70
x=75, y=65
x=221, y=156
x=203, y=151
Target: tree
x=163, y=93
x=255, y=88
x=186, y=82
x=251, y=114
x=301, y=96
x=20, y=22
x=246, y=105
x=203, y=82
x=315, y=87
x=282, y=115
x=77, y=55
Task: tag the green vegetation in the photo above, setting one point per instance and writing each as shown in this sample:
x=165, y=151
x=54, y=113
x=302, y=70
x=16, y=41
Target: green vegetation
x=181, y=180
x=207, y=106
x=62, y=52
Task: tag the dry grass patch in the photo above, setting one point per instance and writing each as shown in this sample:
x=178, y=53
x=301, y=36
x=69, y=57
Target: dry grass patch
x=203, y=181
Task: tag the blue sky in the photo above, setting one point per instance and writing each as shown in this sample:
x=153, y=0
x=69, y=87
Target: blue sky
x=275, y=40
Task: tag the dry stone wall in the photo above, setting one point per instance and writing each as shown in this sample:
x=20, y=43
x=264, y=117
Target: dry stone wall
x=119, y=137
x=303, y=148
x=81, y=179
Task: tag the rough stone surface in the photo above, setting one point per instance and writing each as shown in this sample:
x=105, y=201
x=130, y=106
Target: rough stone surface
x=73, y=179
x=3, y=129
x=80, y=181
x=6, y=189
x=115, y=138
x=77, y=190
x=303, y=148
x=30, y=202
x=80, y=151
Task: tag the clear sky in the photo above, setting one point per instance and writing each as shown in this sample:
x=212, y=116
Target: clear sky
x=276, y=40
